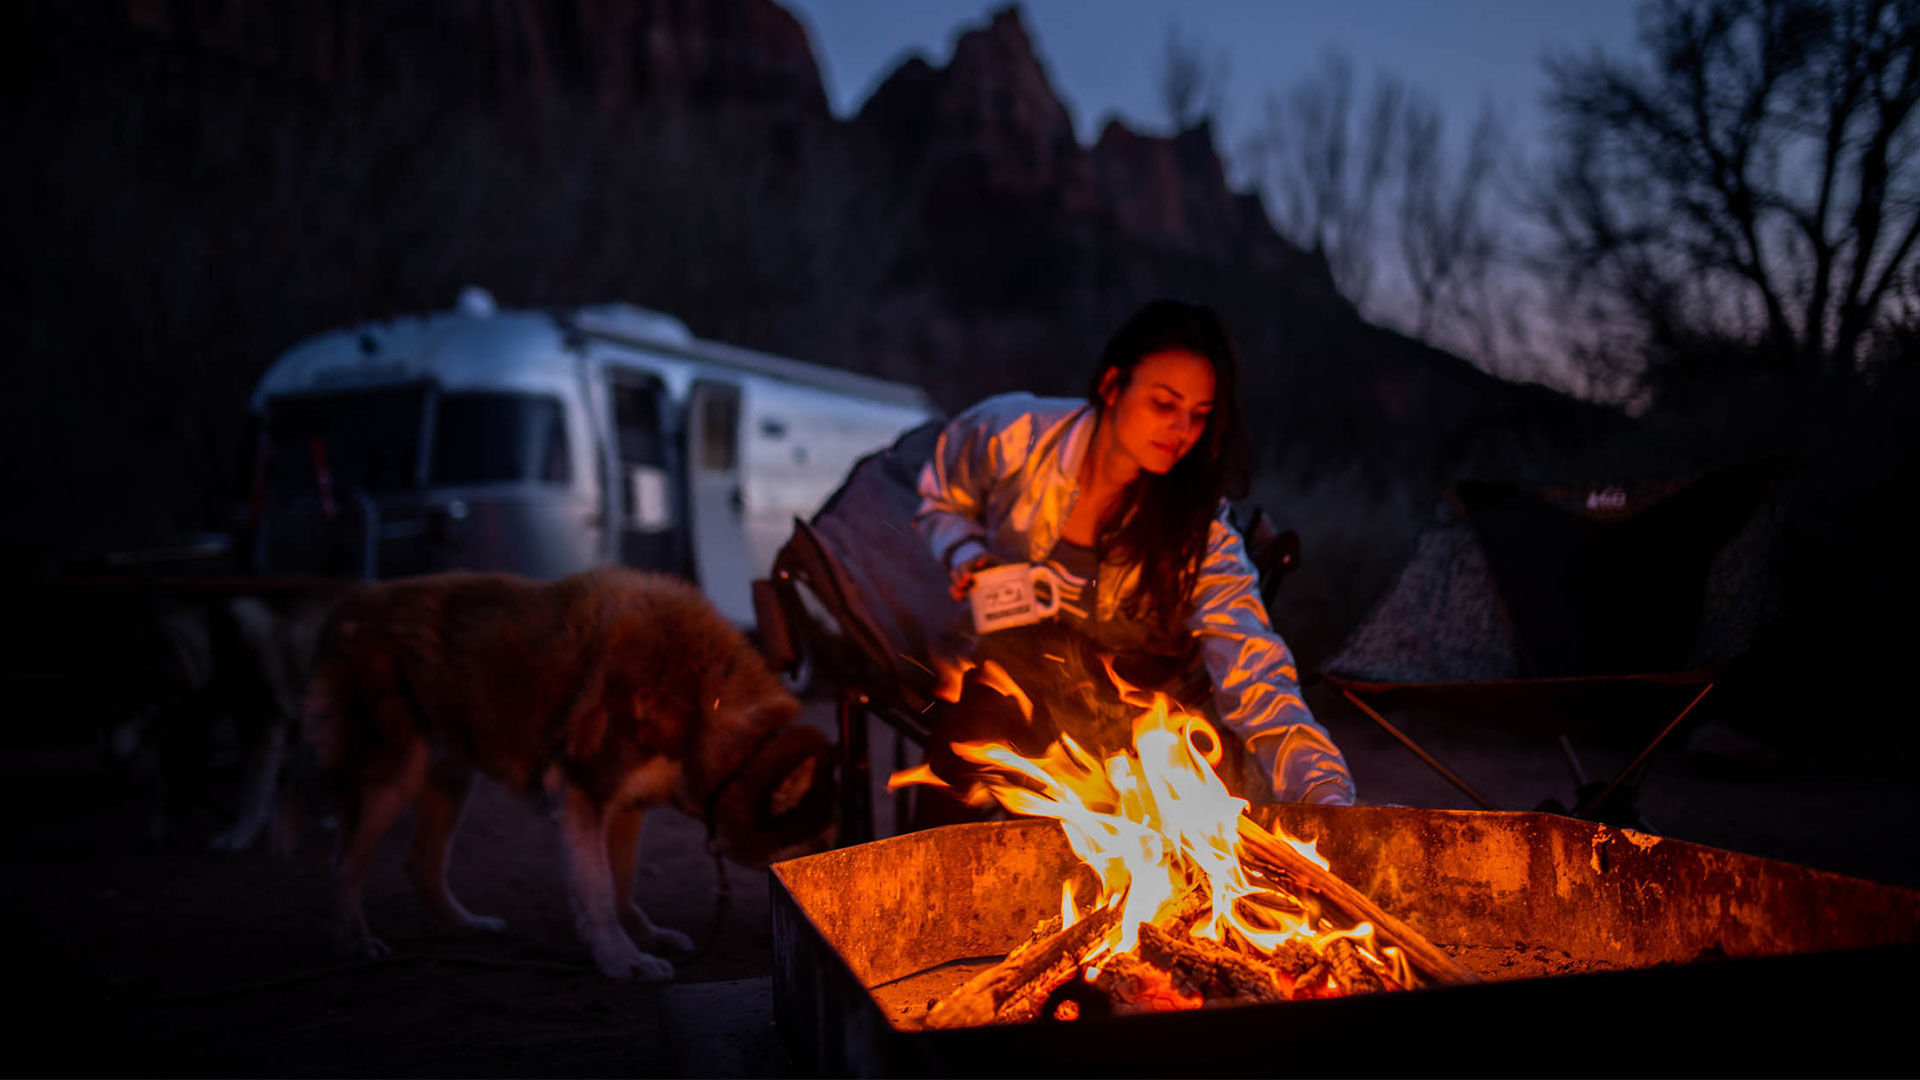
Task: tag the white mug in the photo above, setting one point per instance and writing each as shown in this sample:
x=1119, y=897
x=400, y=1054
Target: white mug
x=1013, y=595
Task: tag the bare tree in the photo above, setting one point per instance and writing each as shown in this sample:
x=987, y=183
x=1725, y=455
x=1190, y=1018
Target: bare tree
x=1757, y=181
x=1327, y=170
x=1192, y=85
x=1448, y=240
x=1895, y=337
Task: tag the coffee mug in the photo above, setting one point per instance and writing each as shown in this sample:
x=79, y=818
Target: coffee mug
x=1013, y=595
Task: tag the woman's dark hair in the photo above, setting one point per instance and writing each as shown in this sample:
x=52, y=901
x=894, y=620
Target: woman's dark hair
x=1163, y=521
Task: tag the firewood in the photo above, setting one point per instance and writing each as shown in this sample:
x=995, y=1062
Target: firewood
x=1262, y=847
x=1192, y=906
x=1302, y=972
x=1018, y=987
x=1042, y=930
x=1015, y=988
x=1135, y=986
x=1206, y=969
x=1351, y=969
x=1275, y=895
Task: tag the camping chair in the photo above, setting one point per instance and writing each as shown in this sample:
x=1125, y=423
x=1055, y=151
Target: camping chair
x=1569, y=612
x=856, y=594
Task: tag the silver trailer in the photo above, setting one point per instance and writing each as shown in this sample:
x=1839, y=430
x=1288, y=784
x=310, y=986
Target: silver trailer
x=546, y=443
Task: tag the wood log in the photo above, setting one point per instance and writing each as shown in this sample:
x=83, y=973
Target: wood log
x=1207, y=970
x=1018, y=987
x=1350, y=969
x=1015, y=988
x=1261, y=846
x=1132, y=985
x=1192, y=906
x=1042, y=930
x=1275, y=895
x=1302, y=972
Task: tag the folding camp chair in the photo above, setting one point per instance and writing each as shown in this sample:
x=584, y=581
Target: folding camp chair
x=856, y=595
x=1569, y=612
x=856, y=592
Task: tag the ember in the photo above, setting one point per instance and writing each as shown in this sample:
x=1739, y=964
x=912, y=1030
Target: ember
x=1196, y=903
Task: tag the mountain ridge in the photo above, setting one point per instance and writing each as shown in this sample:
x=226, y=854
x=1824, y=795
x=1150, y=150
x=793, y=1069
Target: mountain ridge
x=214, y=188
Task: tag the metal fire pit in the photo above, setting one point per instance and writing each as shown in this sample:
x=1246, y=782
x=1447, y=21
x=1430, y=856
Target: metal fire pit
x=1604, y=950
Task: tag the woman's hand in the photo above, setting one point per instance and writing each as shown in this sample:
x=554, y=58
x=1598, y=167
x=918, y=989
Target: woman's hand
x=963, y=575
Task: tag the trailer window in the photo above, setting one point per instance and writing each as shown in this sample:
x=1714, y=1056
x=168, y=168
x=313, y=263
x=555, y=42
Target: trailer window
x=357, y=439
x=481, y=438
x=636, y=423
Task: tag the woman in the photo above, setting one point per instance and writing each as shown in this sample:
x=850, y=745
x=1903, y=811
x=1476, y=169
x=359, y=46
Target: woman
x=1124, y=496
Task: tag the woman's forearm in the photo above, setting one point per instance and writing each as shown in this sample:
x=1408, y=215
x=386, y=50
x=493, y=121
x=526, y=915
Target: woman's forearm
x=1256, y=685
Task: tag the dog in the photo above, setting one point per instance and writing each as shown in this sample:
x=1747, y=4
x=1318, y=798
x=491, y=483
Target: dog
x=604, y=694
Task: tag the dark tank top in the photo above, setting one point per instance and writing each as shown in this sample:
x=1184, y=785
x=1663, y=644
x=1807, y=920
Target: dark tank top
x=1078, y=567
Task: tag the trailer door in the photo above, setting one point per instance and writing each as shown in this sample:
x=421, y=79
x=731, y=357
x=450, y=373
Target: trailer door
x=651, y=527
x=722, y=564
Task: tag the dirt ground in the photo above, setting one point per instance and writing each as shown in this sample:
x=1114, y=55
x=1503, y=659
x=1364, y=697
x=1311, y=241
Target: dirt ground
x=149, y=956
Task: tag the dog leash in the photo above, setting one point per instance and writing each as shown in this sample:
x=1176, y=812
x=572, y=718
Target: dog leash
x=722, y=900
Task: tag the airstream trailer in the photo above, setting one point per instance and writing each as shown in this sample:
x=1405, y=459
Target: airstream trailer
x=548, y=442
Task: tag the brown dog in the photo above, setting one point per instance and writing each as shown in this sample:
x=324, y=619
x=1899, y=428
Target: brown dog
x=606, y=693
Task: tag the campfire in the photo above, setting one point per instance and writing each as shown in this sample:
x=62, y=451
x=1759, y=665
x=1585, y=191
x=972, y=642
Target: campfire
x=1183, y=901
x=1131, y=892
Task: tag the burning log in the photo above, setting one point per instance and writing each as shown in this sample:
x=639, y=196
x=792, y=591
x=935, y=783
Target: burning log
x=1303, y=973
x=1170, y=969
x=1168, y=973
x=1206, y=970
x=1269, y=852
x=1129, y=984
x=1017, y=987
x=1350, y=969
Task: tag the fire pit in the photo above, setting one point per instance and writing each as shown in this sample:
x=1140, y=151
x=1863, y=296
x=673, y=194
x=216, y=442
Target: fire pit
x=1603, y=949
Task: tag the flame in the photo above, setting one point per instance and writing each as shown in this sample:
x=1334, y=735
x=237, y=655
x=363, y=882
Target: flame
x=1309, y=848
x=996, y=677
x=950, y=678
x=1155, y=825
x=919, y=774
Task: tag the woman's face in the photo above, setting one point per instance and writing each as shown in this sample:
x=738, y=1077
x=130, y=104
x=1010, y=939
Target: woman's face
x=1162, y=410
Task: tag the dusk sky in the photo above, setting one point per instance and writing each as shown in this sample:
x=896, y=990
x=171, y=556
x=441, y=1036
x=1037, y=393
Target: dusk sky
x=1103, y=55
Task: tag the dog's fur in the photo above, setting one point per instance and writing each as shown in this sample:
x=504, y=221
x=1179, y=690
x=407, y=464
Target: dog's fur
x=606, y=693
